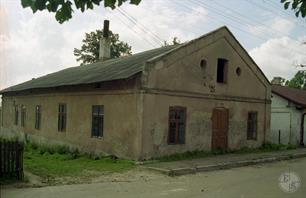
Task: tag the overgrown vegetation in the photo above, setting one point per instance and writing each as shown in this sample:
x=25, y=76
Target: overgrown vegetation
x=58, y=161
x=267, y=147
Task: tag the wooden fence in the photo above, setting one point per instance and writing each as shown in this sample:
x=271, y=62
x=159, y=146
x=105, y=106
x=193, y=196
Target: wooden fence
x=11, y=159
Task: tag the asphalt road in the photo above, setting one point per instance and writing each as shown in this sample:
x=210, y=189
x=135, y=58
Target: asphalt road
x=255, y=182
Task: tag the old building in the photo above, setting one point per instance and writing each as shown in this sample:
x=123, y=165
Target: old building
x=201, y=95
x=288, y=110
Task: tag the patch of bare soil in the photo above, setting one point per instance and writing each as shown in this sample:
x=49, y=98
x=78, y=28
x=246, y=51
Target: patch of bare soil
x=136, y=174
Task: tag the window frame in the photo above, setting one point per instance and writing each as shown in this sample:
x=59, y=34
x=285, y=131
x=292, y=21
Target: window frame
x=99, y=115
x=224, y=70
x=23, y=115
x=177, y=109
x=62, y=117
x=252, y=125
x=38, y=117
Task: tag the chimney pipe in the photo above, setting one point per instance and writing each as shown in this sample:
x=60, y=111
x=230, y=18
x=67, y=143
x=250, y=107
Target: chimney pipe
x=106, y=29
x=104, y=51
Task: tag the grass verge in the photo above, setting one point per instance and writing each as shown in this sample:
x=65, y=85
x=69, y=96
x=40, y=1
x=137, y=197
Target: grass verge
x=267, y=147
x=59, y=162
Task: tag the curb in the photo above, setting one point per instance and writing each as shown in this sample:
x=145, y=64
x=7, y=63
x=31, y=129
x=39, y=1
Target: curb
x=225, y=165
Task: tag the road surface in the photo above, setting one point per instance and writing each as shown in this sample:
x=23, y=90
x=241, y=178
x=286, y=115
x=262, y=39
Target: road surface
x=245, y=182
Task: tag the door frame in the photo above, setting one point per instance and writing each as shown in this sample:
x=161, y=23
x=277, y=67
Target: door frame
x=226, y=111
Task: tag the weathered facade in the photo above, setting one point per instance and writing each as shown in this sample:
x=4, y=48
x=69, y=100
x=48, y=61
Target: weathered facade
x=202, y=95
x=288, y=110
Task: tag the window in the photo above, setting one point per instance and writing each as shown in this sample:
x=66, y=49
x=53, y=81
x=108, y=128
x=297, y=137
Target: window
x=23, y=115
x=222, y=70
x=252, y=126
x=177, y=125
x=97, y=120
x=16, y=115
x=62, y=117
x=37, y=116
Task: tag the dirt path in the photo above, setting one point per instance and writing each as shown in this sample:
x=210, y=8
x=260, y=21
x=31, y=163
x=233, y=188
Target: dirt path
x=247, y=182
x=136, y=174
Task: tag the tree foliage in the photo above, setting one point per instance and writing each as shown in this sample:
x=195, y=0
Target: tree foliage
x=175, y=41
x=299, y=6
x=89, y=51
x=298, y=81
x=63, y=9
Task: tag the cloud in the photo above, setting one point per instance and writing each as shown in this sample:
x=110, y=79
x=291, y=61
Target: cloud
x=276, y=27
x=280, y=56
x=37, y=44
x=35, y=49
x=282, y=25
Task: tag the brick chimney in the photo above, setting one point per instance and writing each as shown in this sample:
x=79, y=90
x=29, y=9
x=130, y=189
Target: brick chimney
x=104, y=50
x=277, y=81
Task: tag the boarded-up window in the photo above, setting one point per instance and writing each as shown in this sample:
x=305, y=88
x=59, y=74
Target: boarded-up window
x=62, y=117
x=97, y=120
x=222, y=70
x=252, y=126
x=16, y=115
x=23, y=115
x=37, y=117
x=177, y=125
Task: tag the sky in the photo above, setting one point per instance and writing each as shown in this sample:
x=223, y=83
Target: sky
x=32, y=45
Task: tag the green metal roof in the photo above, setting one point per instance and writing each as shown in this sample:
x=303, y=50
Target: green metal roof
x=114, y=69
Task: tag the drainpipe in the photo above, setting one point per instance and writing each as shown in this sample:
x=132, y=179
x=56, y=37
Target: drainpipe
x=302, y=130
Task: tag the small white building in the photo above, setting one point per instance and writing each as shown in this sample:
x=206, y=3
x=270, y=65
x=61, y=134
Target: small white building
x=288, y=111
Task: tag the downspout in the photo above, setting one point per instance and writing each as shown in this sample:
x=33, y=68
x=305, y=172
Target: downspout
x=302, y=130
x=265, y=116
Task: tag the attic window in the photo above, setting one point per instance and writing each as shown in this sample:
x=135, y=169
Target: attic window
x=222, y=70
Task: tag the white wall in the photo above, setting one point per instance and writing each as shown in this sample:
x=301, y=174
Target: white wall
x=286, y=118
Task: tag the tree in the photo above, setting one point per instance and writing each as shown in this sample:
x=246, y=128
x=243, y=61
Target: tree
x=299, y=6
x=89, y=51
x=174, y=41
x=298, y=81
x=63, y=9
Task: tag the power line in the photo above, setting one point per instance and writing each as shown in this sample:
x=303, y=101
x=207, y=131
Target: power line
x=269, y=10
x=155, y=35
x=136, y=33
x=253, y=21
x=281, y=11
x=141, y=27
x=199, y=3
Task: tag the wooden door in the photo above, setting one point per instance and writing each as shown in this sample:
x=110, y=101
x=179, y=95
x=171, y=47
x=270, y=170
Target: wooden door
x=219, y=129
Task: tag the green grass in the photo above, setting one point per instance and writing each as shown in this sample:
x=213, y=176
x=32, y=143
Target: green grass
x=58, y=162
x=267, y=147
